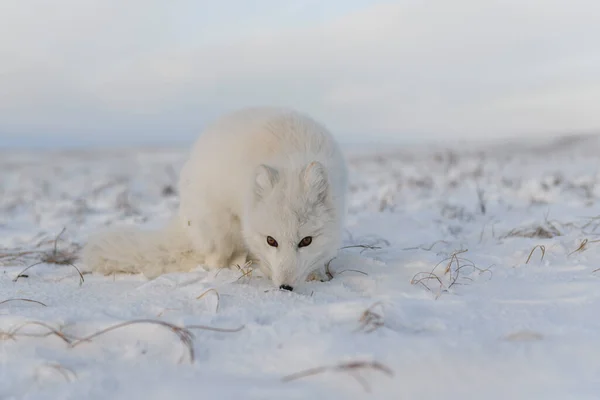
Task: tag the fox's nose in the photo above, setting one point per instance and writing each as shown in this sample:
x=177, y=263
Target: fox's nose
x=286, y=287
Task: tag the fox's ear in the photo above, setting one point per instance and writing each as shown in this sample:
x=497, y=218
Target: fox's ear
x=315, y=181
x=265, y=178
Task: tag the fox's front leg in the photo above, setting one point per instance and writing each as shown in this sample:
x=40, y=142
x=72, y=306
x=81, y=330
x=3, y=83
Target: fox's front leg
x=217, y=240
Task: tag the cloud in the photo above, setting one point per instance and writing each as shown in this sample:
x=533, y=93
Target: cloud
x=402, y=69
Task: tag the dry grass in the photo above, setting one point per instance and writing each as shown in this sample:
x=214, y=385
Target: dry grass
x=483, y=231
x=542, y=250
x=50, y=256
x=185, y=336
x=352, y=270
x=352, y=368
x=429, y=248
x=583, y=246
x=213, y=290
x=65, y=372
x=481, y=200
x=22, y=273
x=8, y=256
x=21, y=299
x=15, y=332
x=450, y=275
x=214, y=329
x=183, y=333
x=246, y=270
x=54, y=256
x=330, y=274
x=591, y=227
x=370, y=320
x=328, y=269
x=536, y=231
x=364, y=247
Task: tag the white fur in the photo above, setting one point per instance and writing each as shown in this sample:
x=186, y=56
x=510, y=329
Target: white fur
x=254, y=173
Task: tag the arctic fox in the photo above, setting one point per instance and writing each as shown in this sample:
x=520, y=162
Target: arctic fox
x=265, y=185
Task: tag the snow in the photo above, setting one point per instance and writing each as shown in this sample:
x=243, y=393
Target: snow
x=501, y=323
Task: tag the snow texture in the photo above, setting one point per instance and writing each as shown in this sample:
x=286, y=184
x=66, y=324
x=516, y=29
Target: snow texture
x=476, y=279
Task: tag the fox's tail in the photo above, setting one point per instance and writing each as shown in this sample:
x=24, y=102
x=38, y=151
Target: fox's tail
x=132, y=250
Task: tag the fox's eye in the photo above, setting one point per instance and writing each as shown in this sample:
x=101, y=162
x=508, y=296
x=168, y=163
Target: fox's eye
x=272, y=242
x=305, y=242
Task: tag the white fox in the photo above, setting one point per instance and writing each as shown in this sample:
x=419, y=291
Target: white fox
x=265, y=185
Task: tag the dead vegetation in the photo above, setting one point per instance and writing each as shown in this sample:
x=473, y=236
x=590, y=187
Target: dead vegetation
x=370, y=320
x=330, y=275
x=377, y=242
x=211, y=290
x=483, y=228
x=364, y=247
x=545, y=231
x=591, y=226
x=542, y=250
x=246, y=270
x=13, y=333
x=427, y=248
x=548, y=229
x=67, y=373
x=54, y=255
x=184, y=334
x=22, y=299
x=439, y=283
x=353, y=368
x=481, y=201
x=583, y=246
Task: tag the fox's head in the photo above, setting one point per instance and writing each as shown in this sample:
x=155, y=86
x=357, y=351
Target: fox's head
x=291, y=223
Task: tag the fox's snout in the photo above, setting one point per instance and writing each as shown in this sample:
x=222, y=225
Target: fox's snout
x=285, y=281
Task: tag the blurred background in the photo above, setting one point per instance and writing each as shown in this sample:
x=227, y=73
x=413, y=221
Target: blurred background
x=105, y=73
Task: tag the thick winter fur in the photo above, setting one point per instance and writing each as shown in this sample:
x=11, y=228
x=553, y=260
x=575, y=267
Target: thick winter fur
x=254, y=173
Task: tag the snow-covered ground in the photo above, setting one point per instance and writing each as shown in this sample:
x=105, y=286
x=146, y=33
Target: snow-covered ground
x=476, y=279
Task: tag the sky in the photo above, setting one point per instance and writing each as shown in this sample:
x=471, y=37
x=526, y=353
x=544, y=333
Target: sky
x=142, y=72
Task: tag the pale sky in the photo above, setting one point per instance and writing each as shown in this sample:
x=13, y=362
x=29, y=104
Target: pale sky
x=115, y=72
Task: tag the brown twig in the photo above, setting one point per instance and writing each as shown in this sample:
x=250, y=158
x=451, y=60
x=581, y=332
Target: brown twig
x=51, y=331
x=52, y=256
x=364, y=247
x=352, y=270
x=56, y=240
x=216, y=293
x=542, y=249
x=350, y=367
x=20, y=274
x=211, y=328
x=427, y=276
x=583, y=246
x=370, y=320
x=245, y=269
x=328, y=270
x=426, y=248
x=64, y=371
x=454, y=274
x=20, y=299
x=184, y=335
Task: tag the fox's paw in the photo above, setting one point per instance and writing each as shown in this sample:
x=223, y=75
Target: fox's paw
x=318, y=275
